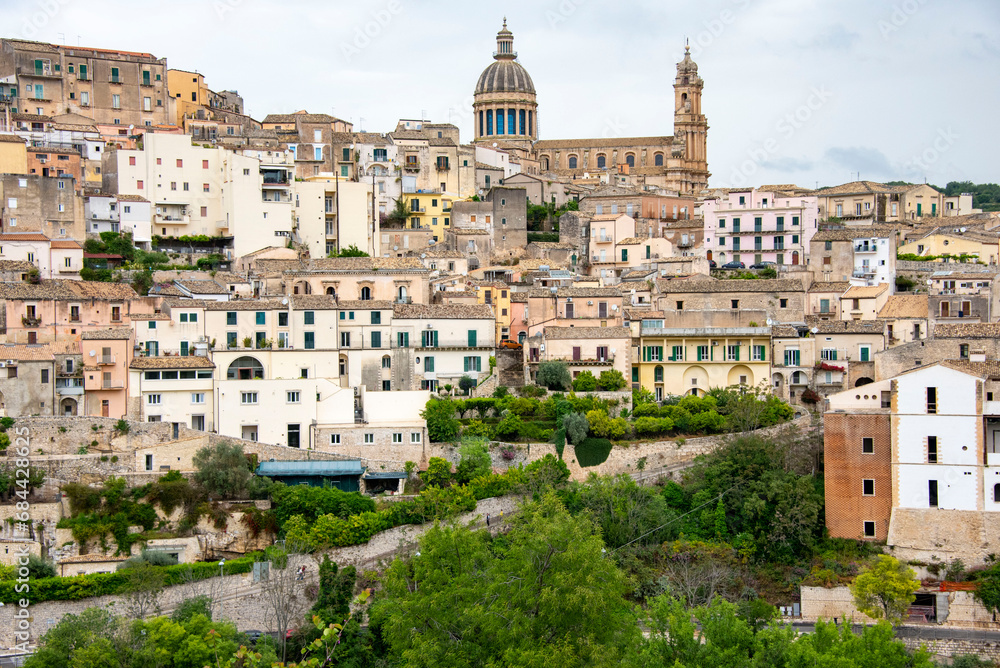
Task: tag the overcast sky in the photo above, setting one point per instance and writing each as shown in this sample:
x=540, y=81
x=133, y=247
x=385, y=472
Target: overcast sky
x=796, y=91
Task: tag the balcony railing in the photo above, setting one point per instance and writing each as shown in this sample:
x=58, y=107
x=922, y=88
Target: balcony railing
x=29, y=321
x=412, y=167
x=116, y=80
x=105, y=359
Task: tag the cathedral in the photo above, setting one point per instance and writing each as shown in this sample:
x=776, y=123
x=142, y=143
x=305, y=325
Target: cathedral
x=506, y=116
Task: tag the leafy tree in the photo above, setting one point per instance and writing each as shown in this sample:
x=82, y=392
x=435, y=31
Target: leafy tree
x=885, y=590
x=350, y=251
x=438, y=473
x=508, y=606
x=611, y=380
x=474, y=461
x=585, y=382
x=640, y=396
x=189, y=607
x=988, y=587
x=39, y=567
x=61, y=643
x=510, y=426
x=466, y=383
x=549, y=472
x=554, y=375
x=442, y=425
x=143, y=587
x=576, y=426
x=624, y=510
x=223, y=471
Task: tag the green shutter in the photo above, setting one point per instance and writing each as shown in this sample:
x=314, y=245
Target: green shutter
x=376, y=339
x=635, y=374
x=472, y=338
x=184, y=348
x=659, y=352
x=310, y=340
x=737, y=352
x=428, y=364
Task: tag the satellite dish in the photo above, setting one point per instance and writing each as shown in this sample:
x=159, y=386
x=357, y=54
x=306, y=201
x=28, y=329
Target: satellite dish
x=930, y=282
x=131, y=127
x=93, y=352
x=495, y=144
x=769, y=322
x=814, y=330
x=284, y=302
x=423, y=255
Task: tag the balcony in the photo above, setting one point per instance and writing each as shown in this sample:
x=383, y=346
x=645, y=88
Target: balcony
x=865, y=248
x=69, y=387
x=30, y=321
x=443, y=166
x=116, y=80
x=863, y=272
x=411, y=167
x=818, y=310
x=72, y=269
x=104, y=360
x=403, y=300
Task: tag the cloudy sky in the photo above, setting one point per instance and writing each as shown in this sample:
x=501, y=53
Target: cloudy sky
x=796, y=91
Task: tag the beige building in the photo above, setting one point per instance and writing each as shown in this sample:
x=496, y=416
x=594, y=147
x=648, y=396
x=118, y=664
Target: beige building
x=333, y=214
x=13, y=155
x=905, y=318
x=593, y=349
x=573, y=307
x=352, y=278
x=868, y=202
x=864, y=302
x=112, y=87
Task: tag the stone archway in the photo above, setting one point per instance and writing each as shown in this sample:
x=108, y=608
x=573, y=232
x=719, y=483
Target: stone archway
x=864, y=380
x=68, y=407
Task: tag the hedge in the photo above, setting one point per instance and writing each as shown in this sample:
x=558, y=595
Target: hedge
x=109, y=584
x=593, y=451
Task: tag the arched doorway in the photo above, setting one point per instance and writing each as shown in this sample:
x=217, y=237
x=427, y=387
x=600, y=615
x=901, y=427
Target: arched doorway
x=366, y=294
x=245, y=368
x=67, y=407
x=795, y=257
x=863, y=381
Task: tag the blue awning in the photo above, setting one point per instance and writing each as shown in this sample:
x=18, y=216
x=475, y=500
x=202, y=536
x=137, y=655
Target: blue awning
x=341, y=467
x=386, y=475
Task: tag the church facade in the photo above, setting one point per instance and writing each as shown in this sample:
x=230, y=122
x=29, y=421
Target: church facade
x=506, y=116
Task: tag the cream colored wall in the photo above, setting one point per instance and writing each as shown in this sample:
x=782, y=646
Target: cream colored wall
x=13, y=158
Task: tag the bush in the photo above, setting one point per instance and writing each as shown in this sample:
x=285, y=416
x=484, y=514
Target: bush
x=466, y=383
x=524, y=406
x=313, y=502
x=593, y=451
x=438, y=473
x=509, y=427
x=611, y=380
x=189, y=607
x=553, y=375
x=442, y=426
x=585, y=382
x=532, y=391
x=500, y=392
x=40, y=568
x=575, y=427
x=603, y=425
x=223, y=471
x=475, y=461
x=478, y=429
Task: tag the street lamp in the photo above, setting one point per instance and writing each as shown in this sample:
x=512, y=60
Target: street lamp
x=222, y=565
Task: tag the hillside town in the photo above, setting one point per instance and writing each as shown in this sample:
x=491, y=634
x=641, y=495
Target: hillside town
x=389, y=339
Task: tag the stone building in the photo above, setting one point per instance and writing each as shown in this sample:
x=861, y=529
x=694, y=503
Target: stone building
x=781, y=299
x=112, y=87
x=505, y=110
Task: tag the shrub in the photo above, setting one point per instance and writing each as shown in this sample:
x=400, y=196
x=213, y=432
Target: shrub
x=122, y=426
x=585, y=382
x=40, y=568
x=500, y=392
x=189, y=607
x=575, y=427
x=313, y=502
x=509, y=426
x=553, y=375
x=593, y=451
x=466, y=383
x=442, y=426
x=607, y=427
x=532, y=391
x=611, y=380
x=438, y=473
x=479, y=429
x=475, y=461
x=223, y=471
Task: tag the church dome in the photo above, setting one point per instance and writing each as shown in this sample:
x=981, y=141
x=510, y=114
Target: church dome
x=505, y=75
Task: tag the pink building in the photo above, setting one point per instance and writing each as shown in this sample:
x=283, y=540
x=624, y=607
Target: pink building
x=754, y=226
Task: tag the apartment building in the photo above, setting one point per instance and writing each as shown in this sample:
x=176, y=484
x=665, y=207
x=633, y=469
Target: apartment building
x=352, y=278
x=868, y=202
x=433, y=158
x=754, y=226
x=28, y=381
x=906, y=319
x=778, y=299
x=864, y=303
x=956, y=296
x=42, y=205
x=860, y=256
x=593, y=349
x=914, y=461
x=112, y=87
x=126, y=214
x=963, y=239
x=573, y=307
x=310, y=140
x=54, y=258
x=447, y=342
x=332, y=214
x=107, y=354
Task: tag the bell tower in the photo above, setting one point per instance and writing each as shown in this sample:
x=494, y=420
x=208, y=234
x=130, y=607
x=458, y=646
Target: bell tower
x=690, y=125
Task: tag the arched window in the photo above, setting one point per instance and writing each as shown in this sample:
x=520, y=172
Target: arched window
x=572, y=162
x=489, y=122
x=386, y=362
x=245, y=368
x=601, y=161
x=630, y=160
x=330, y=291
x=658, y=160
x=402, y=293
x=545, y=164
x=658, y=374
x=366, y=293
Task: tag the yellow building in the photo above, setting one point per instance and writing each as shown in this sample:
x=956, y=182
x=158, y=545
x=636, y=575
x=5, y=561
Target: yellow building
x=13, y=155
x=189, y=94
x=693, y=360
x=429, y=210
x=497, y=295
x=978, y=243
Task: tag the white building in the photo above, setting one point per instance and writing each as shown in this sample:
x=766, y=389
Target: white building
x=333, y=213
x=874, y=261
x=55, y=258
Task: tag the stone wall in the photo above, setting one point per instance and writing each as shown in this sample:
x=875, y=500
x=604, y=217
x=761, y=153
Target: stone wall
x=949, y=647
x=510, y=367
x=820, y=602
x=938, y=534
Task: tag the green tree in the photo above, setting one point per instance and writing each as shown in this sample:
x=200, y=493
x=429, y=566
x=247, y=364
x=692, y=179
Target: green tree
x=988, y=587
x=585, y=382
x=438, y=473
x=474, y=460
x=576, y=427
x=442, y=425
x=554, y=375
x=466, y=383
x=624, y=510
x=886, y=589
x=350, y=251
x=611, y=380
x=223, y=471
x=509, y=606
x=189, y=607
x=510, y=426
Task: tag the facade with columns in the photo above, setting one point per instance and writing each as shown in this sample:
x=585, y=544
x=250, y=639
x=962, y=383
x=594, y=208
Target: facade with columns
x=506, y=114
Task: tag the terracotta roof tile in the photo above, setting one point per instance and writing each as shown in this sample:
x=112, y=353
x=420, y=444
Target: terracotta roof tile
x=443, y=311
x=65, y=243
x=700, y=284
x=865, y=291
x=107, y=334
x=25, y=353
x=830, y=286
x=990, y=370
x=905, y=306
x=967, y=330
x=172, y=362
x=587, y=333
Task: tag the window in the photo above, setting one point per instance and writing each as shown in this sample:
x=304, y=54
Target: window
x=703, y=353
x=345, y=339
x=366, y=293
x=869, y=529
x=783, y=303
x=45, y=376
x=735, y=303
x=294, y=432
x=153, y=399
x=472, y=338
x=759, y=353
x=369, y=439
x=428, y=364
x=248, y=398
x=376, y=339
x=932, y=450
x=309, y=317
x=867, y=445
x=868, y=487
x=931, y=400
x=473, y=363
x=116, y=101
x=402, y=339
x=334, y=439
x=733, y=353
x=429, y=338
x=309, y=340
x=293, y=397
x=282, y=319
x=397, y=437
x=261, y=318
x=652, y=353
x=376, y=317
x=932, y=493
x=386, y=362
x=572, y=162
x=205, y=188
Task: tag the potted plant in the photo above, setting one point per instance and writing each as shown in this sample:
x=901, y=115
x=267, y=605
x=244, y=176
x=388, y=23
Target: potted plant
x=247, y=342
